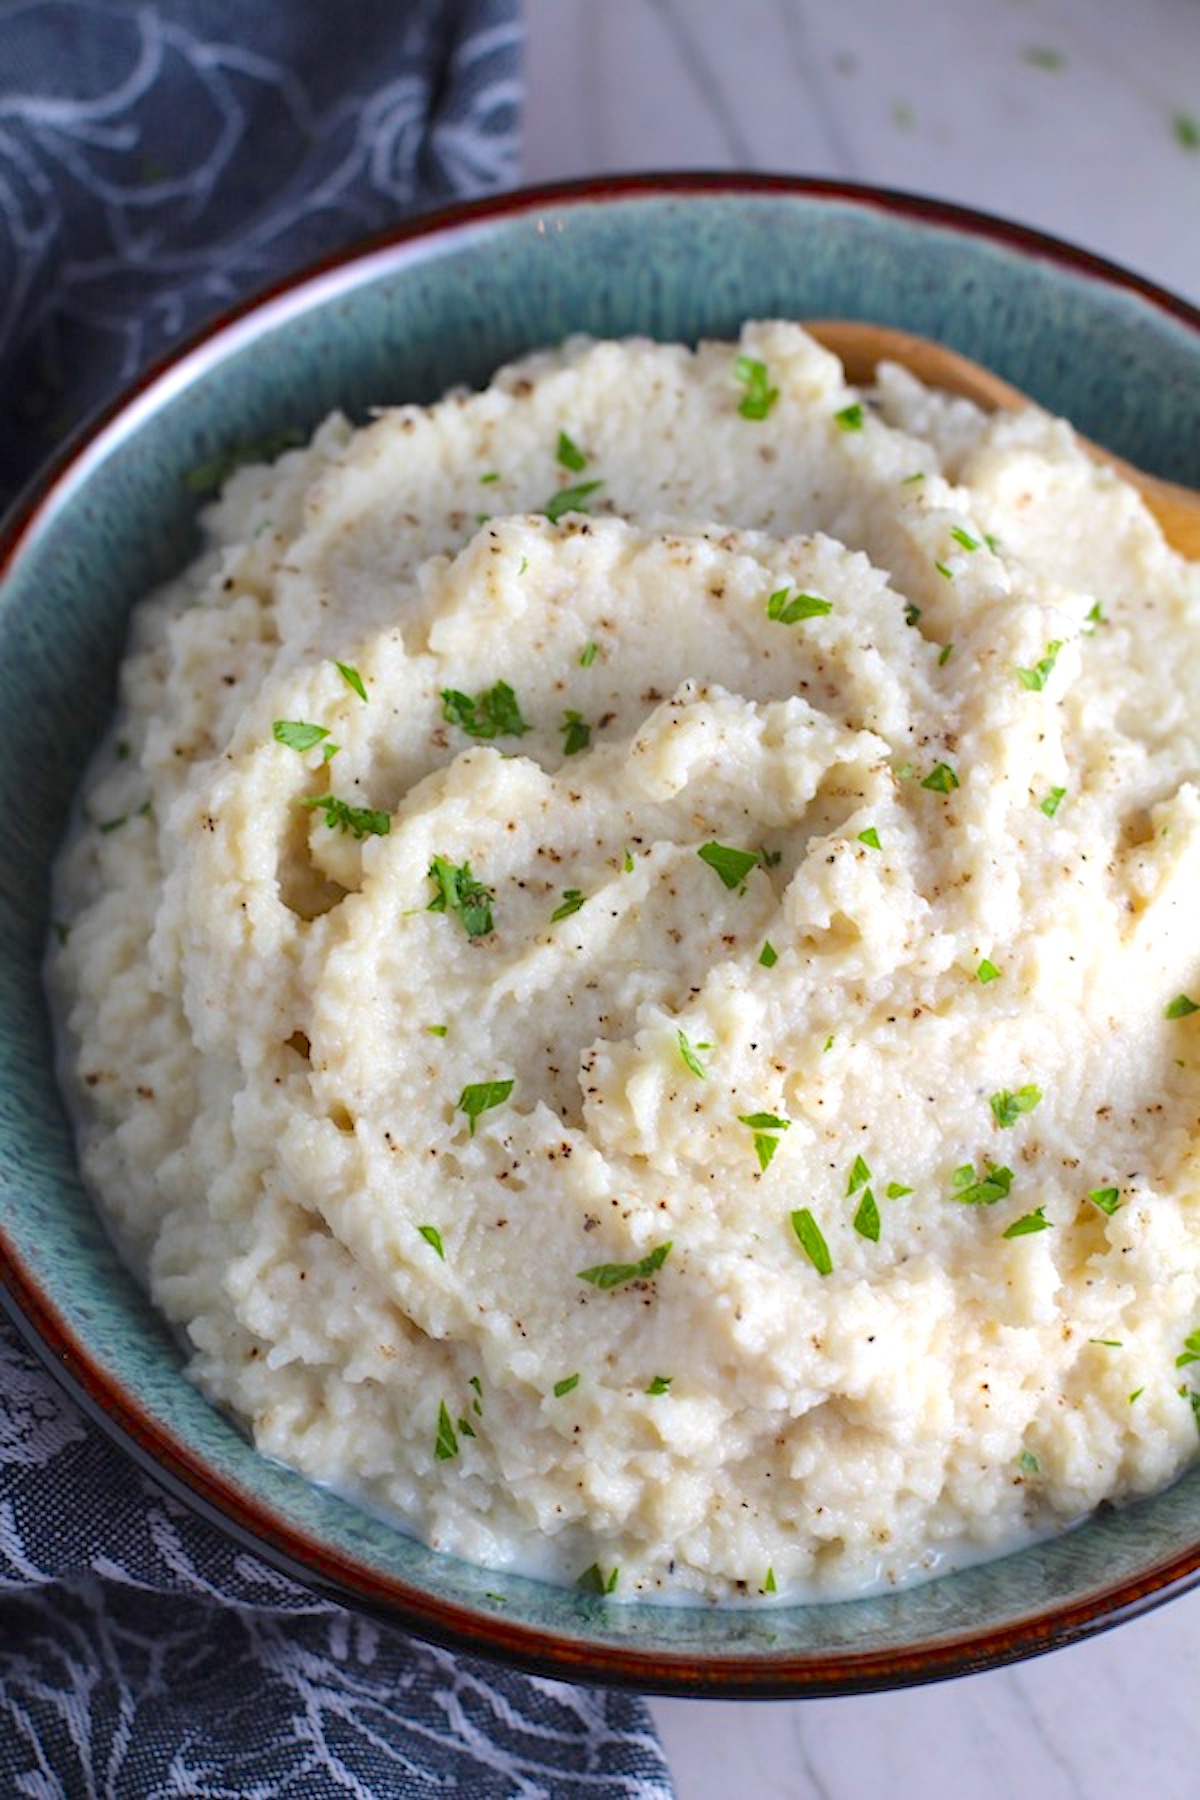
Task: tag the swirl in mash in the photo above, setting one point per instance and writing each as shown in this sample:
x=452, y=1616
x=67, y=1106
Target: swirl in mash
x=631, y=970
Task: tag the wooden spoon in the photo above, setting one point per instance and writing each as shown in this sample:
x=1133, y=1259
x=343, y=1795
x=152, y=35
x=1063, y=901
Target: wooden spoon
x=860, y=346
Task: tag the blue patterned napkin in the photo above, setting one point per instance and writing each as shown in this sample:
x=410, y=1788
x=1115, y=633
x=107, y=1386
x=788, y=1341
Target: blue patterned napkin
x=157, y=162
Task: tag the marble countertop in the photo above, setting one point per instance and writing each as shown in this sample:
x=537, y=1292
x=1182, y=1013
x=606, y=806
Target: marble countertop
x=1080, y=117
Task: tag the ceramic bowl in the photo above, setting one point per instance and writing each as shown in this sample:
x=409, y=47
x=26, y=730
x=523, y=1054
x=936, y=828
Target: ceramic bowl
x=441, y=302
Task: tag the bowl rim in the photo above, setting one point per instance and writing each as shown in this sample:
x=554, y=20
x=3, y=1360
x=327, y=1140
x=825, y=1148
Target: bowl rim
x=169, y=1459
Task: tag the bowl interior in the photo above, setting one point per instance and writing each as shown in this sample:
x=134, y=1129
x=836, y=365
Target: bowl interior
x=441, y=306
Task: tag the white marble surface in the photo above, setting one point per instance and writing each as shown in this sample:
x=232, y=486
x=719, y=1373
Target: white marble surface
x=1081, y=117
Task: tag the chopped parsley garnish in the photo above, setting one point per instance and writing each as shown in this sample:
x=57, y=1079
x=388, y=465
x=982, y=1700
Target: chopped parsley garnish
x=577, y=733
x=627, y=862
x=207, y=477
x=569, y=455
x=917, y=475
x=492, y=475
x=828, y=1044
x=1029, y=1463
x=992, y=542
x=1136, y=1395
x=1191, y=1350
x=437, y=1030
x=944, y=570
x=972, y=1189
x=1107, y=1343
x=660, y=1385
x=481, y=1096
x=587, y=655
x=941, y=779
x=764, y=1125
x=858, y=1177
x=571, y=902
x=433, y=1237
x=769, y=1582
x=912, y=613
x=851, y=417
x=768, y=956
x=445, y=1445
x=691, y=1060
x=1036, y=678
x=1192, y=1396
x=1095, y=617
x=1052, y=801
x=495, y=713
x=1187, y=130
x=1108, y=1199
x=870, y=837
x=1180, y=1007
x=866, y=1219
x=1008, y=1105
x=812, y=1241
x=760, y=396
x=569, y=500
x=1029, y=1223
x=944, y=655
x=1040, y=56
x=611, y=1275
x=114, y=824
x=896, y=1190
x=593, y=1581
x=298, y=734
x=987, y=971
x=459, y=893
x=787, y=611
x=565, y=1386
x=964, y=538
x=731, y=865
x=362, y=821
x=352, y=678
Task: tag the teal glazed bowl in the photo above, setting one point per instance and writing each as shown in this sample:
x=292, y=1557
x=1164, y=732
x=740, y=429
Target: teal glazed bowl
x=440, y=302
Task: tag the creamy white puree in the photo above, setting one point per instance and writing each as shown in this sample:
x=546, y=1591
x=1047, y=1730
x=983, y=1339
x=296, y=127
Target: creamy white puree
x=280, y=1049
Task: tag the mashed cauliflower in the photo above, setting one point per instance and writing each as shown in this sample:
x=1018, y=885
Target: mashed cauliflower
x=631, y=979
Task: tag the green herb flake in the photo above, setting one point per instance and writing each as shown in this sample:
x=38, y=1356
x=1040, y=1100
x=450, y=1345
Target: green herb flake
x=661, y=1384
x=944, y=570
x=298, y=734
x=987, y=971
x=587, y=655
x=733, y=866
x=481, y=1096
x=1180, y=1007
x=1009, y=1105
x=828, y=1044
x=208, y=477
x=611, y=1275
x=941, y=779
x=1096, y=616
x=459, y=893
x=944, y=655
x=690, y=1059
x=361, y=821
x=1041, y=56
x=917, y=475
x=768, y=956
x=627, y=862
x=812, y=1241
x=768, y=1586
x=1028, y=1463
x=1187, y=130
x=972, y=1189
x=495, y=713
x=858, y=1177
x=352, y=678
x=433, y=1237
x=566, y=1386
x=896, y=1190
x=571, y=902
x=445, y=1445
x=577, y=733
x=593, y=1580
x=569, y=500
x=964, y=538
x=760, y=396
x=850, y=418
x=1029, y=1223
x=1108, y=1199
x=1190, y=1352
x=870, y=837
x=765, y=1126
x=1192, y=1396
x=912, y=613
x=104, y=826
x=866, y=1219
x=1107, y=1343
x=992, y=542
x=466, y=1427
x=437, y=1030
x=492, y=475
x=1036, y=678
x=786, y=608
x=1052, y=801
x=1136, y=1395
x=569, y=455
